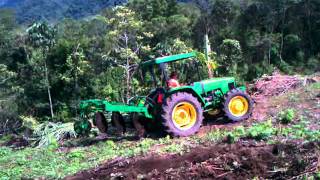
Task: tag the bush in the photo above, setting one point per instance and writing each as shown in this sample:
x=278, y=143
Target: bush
x=9, y=122
x=29, y=122
x=231, y=138
x=287, y=116
x=313, y=64
x=286, y=68
x=64, y=114
x=237, y=133
x=261, y=131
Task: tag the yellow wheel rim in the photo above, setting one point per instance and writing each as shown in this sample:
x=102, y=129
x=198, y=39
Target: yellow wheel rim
x=238, y=106
x=184, y=115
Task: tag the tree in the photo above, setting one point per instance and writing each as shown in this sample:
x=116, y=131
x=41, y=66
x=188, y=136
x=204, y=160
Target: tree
x=42, y=36
x=77, y=66
x=7, y=86
x=166, y=19
x=7, y=26
x=230, y=55
x=126, y=36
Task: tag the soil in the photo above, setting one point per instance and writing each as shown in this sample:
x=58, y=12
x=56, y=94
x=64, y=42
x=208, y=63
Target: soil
x=237, y=161
x=16, y=142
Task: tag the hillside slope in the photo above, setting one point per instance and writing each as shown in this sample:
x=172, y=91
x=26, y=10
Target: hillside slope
x=262, y=147
x=53, y=10
x=28, y=11
x=255, y=149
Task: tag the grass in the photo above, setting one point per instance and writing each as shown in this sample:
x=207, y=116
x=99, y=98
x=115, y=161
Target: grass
x=287, y=116
x=55, y=163
x=173, y=148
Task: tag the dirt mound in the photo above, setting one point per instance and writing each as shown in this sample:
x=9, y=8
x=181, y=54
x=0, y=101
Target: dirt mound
x=277, y=84
x=267, y=87
x=237, y=161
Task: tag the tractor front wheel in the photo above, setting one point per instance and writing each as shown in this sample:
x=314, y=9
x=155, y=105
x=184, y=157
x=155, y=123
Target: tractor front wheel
x=238, y=105
x=182, y=114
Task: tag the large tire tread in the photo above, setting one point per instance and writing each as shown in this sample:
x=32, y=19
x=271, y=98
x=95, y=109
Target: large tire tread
x=168, y=107
x=229, y=96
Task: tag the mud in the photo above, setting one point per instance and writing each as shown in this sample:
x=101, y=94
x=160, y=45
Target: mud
x=237, y=161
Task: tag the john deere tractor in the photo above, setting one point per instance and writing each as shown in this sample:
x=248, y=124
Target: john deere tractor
x=179, y=110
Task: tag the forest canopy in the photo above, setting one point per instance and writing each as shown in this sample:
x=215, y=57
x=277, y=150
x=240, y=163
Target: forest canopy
x=46, y=68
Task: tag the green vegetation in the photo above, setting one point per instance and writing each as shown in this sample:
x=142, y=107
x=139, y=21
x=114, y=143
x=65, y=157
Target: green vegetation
x=173, y=148
x=4, y=139
x=261, y=131
x=53, y=163
x=287, y=116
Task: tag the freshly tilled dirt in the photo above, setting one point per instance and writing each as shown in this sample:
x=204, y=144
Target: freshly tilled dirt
x=237, y=161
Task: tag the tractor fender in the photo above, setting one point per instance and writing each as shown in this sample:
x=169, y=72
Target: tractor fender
x=187, y=89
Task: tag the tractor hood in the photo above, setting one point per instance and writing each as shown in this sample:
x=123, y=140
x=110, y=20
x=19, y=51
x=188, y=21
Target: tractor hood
x=223, y=84
x=209, y=85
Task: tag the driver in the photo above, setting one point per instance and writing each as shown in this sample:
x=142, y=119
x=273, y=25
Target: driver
x=173, y=81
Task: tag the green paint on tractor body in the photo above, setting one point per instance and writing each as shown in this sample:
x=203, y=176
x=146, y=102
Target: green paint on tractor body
x=210, y=93
x=169, y=59
x=97, y=105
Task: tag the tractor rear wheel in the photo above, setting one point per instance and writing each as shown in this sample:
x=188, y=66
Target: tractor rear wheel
x=101, y=122
x=182, y=114
x=238, y=105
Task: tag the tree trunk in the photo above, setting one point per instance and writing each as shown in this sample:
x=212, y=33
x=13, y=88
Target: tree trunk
x=269, y=54
x=207, y=51
x=127, y=69
x=128, y=85
x=282, y=33
x=48, y=89
x=77, y=92
x=309, y=15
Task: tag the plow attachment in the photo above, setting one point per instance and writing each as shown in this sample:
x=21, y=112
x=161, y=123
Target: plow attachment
x=95, y=108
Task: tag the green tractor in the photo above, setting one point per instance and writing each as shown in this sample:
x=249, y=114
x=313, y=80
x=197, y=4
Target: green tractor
x=179, y=110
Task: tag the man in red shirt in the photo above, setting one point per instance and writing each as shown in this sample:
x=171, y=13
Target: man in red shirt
x=173, y=81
